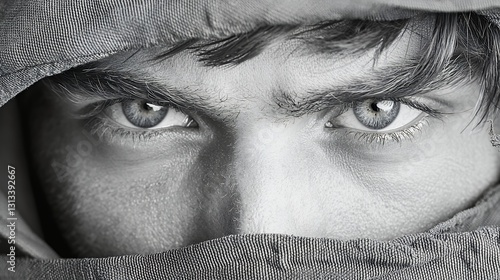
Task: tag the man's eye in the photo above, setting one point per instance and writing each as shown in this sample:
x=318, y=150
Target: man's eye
x=378, y=116
x=138, y=113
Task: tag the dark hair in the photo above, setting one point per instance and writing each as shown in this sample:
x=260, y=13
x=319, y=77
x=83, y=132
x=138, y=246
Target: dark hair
x=328, y=36
x=478, y=42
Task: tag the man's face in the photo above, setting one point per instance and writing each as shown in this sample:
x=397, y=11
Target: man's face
x=242, y=154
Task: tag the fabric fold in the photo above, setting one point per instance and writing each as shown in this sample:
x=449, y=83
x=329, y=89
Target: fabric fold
x=468, y=255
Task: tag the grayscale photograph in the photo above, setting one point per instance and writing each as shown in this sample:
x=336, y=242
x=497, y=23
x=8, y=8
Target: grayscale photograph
x=239, y=139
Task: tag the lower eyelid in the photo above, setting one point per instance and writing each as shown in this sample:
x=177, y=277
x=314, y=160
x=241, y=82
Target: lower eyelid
x=347, y=135
x=401, y=128
x=108, y=131
x=397, y=136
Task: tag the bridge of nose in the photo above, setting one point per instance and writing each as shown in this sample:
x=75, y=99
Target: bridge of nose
x=264, y=183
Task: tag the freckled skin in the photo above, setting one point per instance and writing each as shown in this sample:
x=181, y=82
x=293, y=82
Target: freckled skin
x=247, y=170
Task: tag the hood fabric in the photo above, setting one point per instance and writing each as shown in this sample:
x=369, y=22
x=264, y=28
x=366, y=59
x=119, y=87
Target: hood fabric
x=40, y=38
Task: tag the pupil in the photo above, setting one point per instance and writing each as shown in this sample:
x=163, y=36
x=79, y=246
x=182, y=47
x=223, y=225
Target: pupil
x=146, y=107
x=374, y=107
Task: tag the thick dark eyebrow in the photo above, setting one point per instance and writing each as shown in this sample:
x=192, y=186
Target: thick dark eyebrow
x=389, y=83
x=392, y=83
x=84, y=85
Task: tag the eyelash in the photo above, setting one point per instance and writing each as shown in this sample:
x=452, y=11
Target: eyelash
x=396, y=136
x=109, y=131
x=408, y=133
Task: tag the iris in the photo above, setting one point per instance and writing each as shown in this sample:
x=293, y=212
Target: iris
x=142, y=113
x=376, y=114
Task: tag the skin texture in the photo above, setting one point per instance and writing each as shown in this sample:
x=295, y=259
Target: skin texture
x=250, y=169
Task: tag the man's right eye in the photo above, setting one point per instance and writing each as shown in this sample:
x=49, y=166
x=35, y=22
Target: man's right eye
x=143, y=114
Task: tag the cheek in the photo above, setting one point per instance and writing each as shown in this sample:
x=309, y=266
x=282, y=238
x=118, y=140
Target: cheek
x=115, y=199
x=388, y=190
x=426, y=182
x=113, y=208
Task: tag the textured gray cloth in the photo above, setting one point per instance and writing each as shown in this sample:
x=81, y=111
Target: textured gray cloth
x=455, y=249
x=473, y=255
x=39, y=38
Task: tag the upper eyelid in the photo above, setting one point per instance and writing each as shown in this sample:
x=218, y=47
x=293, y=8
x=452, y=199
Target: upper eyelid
x=98, y=107
x=97, y=85
x=95, y=108
x=87, y=87
x=409, y=101
x=419, y=106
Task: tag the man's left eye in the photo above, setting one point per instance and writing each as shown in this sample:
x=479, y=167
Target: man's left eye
x=143, y=114
x=378, y=116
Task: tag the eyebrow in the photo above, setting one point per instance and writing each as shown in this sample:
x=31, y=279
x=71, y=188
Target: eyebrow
x=393, y=82
x=388, y=83
x=84, y=85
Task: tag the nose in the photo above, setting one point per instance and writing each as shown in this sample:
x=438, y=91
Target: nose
x=272, y=180
x=263, y=179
